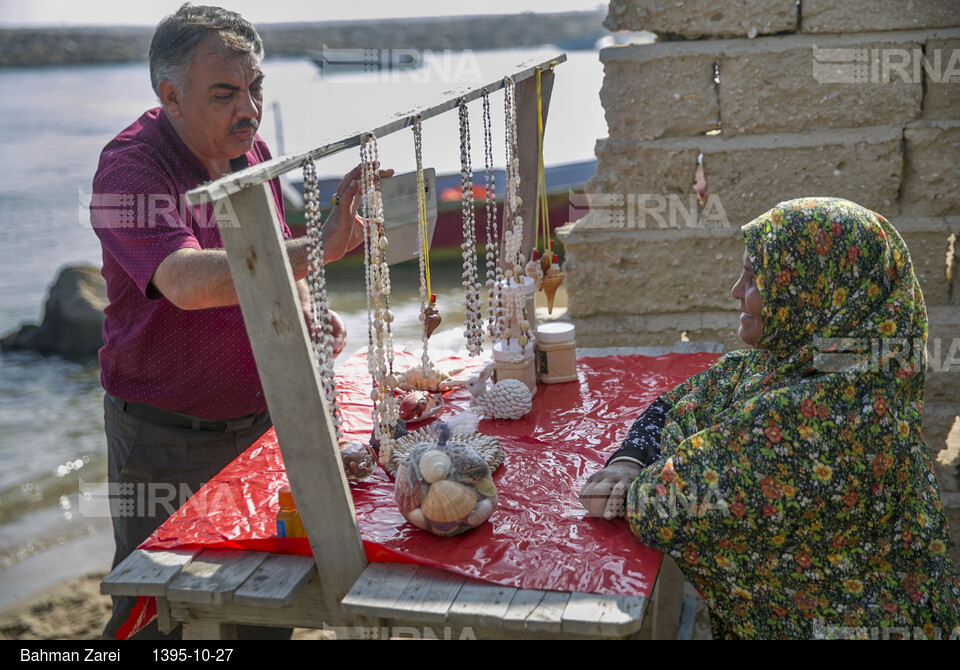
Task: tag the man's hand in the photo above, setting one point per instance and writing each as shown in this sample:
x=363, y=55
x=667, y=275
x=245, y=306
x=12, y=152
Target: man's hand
x=605, y=492
x=343, y=229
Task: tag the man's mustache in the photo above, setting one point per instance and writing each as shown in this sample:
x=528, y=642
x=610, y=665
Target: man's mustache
x=244, y=124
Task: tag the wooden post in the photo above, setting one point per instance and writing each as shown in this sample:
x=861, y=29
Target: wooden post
x=278, y=336
x=527, y=145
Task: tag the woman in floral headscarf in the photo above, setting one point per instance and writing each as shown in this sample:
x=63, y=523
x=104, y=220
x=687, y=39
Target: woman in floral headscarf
x=823, y=514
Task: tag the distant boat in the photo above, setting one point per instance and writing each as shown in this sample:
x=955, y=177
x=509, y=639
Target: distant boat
x=351, y=61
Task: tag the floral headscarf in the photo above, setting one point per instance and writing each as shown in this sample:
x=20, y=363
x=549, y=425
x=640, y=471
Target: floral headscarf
x=795, y=489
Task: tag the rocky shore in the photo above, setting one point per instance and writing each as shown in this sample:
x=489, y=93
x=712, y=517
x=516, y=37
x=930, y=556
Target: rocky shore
x=99, y=45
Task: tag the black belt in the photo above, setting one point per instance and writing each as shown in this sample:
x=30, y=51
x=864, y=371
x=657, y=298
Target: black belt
x=164, y=417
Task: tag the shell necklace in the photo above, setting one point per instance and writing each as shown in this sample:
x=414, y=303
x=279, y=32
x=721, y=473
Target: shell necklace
x=512, y=221
x=321, y=328
x=471, y=284
x=379, y=316
x=494, y=281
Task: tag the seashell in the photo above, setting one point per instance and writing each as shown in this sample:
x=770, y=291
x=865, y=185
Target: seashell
x=359, y=461
x=467, y=466
x=434, y=466
x=481, y=512
x=436, y=380
x=486, y=487
x=416, y=517
x=408, y=491
x=431, y=319
x=551, y=281
x=447, y=501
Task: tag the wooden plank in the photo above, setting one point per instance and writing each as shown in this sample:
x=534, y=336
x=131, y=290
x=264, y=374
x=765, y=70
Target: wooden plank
x=523, y=603
x=146, y=573
x=214, y=575
x=444, y=102
x=697, y=347
x=165, y=621
x=429, y=595
x=547, y=616
x=308, y=610
x=602, y=615
x=601, y=352
x=667, y=600
x=481, y=604
x=527, y=147
x=276, y=582
x=377, y=590
x=278, y=336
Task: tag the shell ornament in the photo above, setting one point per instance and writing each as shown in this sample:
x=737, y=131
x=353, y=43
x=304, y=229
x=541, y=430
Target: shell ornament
x=445, y=488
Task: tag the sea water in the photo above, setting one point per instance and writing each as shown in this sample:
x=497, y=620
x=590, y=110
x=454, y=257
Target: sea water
x=55, y=121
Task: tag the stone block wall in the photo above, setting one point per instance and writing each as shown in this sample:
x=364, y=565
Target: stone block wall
x=773, y=100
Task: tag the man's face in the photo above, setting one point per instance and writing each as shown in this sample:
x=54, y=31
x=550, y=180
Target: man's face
x=218, y=112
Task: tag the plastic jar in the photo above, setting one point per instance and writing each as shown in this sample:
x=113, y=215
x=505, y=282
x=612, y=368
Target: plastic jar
x=512, y=362
x=556, y=352
x=288, y=518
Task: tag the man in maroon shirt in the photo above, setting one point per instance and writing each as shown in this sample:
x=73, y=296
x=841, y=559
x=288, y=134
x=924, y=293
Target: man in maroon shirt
x=183, y=397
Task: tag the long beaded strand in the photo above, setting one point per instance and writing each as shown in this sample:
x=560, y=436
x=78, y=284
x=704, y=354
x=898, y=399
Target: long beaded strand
x=321, y=327
x=494, y=281
x=379, y=317
x=471, y=285
x=512, y=221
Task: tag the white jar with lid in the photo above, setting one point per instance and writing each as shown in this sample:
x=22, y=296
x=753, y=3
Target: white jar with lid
x=556, y=352
x=510, y=361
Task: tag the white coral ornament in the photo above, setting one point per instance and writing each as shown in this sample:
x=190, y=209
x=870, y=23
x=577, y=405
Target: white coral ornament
x=508, y=399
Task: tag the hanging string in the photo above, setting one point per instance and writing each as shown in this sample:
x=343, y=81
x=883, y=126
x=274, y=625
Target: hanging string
x=423, y=242
x=542, y=213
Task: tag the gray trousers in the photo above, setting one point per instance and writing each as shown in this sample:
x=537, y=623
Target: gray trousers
x=152, y=471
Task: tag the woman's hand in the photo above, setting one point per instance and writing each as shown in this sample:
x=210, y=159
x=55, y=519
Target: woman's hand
x=605, y=492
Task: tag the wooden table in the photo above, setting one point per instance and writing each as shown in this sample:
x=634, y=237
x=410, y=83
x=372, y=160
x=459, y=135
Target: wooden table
x=211, y=591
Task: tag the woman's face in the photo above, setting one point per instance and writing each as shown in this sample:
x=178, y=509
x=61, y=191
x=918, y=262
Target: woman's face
x=746, y=291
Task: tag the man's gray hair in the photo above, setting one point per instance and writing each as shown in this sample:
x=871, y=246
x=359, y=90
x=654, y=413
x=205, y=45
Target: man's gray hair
x=178, y=35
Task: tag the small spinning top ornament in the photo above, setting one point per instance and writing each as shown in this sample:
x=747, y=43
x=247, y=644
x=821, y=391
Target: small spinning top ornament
x=431, y=316
x=534, y=270
x=552, y=279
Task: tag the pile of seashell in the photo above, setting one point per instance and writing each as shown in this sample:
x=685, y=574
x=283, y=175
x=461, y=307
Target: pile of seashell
x=445, y=488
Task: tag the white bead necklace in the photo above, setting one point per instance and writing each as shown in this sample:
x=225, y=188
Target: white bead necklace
x=379, y=317
x=471, y=285
x=511, y=257
x=321, y=327
x=494, y=281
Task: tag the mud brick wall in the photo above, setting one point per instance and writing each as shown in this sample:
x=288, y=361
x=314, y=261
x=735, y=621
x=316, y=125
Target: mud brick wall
x=775, y=99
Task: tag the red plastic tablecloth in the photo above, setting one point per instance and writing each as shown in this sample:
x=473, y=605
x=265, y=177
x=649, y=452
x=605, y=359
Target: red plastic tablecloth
x=539, y=536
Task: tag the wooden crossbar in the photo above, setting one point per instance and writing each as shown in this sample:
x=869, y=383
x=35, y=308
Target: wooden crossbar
x=444, y=102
